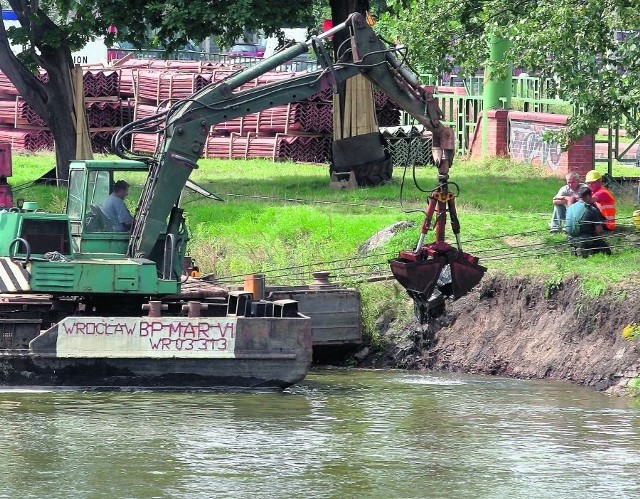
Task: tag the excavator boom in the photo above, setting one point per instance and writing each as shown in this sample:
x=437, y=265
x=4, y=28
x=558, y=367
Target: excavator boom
x=188, y=122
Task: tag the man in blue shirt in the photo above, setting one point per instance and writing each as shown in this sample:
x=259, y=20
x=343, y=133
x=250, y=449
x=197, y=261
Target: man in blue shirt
x=585, y=225
x=115, y=209
x=566, y=196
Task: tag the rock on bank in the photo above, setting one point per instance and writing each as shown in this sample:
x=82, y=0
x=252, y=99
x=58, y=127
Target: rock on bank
x=523, y=328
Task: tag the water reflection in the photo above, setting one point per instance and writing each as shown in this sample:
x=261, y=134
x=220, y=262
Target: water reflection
x=339, y=434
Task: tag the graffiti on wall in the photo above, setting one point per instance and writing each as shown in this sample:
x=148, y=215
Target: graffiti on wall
x=527, y=144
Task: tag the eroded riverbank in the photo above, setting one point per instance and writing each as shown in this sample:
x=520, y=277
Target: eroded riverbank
x=522, y=328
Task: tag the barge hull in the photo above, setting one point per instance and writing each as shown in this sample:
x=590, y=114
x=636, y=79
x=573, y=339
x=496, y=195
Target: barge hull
x=201, y=352
x=276, y=374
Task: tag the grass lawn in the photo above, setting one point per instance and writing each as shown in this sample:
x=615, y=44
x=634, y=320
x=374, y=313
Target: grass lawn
x=283, y=220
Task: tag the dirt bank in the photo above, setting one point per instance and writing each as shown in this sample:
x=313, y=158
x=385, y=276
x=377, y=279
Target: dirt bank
x=521, y=328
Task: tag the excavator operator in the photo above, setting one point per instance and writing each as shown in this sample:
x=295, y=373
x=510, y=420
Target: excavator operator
x=115, y=209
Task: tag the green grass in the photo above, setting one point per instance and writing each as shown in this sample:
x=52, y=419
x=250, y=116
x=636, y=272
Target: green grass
x=283, y=219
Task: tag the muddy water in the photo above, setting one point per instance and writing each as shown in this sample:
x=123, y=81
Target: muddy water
x=339, y=434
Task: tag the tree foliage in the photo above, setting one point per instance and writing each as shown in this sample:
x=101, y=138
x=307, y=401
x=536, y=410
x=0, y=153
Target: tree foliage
x=586, y=48
x=170, y=23
x=50, y=30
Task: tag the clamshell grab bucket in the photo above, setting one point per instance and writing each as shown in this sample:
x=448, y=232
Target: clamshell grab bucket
x=432, y=275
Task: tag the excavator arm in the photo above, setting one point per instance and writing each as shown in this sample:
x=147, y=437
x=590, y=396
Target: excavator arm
x=187, y=124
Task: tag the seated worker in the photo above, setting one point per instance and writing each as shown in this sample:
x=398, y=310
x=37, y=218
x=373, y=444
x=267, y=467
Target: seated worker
x=115, y=209
x=602, y=198
x=585, y=226
x=567, y=195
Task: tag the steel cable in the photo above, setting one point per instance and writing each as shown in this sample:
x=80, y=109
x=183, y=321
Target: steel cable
x=320, y=265
x=305, y=201
x=533, y=251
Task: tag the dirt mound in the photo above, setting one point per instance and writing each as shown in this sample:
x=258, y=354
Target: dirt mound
x=522, y=328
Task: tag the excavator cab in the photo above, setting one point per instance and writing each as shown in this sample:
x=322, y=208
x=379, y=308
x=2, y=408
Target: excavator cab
x=90, y=183
x=87, y=189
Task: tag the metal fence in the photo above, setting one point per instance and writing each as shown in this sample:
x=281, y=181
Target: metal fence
x=529, y=94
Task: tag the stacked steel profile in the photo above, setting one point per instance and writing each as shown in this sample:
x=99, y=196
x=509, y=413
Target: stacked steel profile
x=132, y=89
x=25, y=130
x=299, y=131
x=20, y=126
x=408, y=145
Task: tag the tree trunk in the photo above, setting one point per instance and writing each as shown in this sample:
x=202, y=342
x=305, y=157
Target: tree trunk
x=59, y=115
x=340, y=10
x=355, y=151
x=51, y=97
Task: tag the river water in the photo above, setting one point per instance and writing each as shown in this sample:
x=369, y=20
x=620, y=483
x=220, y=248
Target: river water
x=339, y=434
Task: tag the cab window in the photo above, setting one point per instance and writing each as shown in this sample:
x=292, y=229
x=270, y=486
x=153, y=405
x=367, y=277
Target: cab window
x=98, y=187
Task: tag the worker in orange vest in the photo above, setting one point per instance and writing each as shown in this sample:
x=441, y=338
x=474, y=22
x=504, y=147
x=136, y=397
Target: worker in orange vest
x=602, y=198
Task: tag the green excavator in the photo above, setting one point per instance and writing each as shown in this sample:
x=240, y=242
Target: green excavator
x=54, y=267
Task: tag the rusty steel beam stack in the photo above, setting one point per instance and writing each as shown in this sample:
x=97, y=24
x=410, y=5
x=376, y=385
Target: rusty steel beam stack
x=103, y=105
x=300, y=131
x=130, y=69
x=100, y=83
x=310, y=117
x=387, y=113
x=104, y=114
x=234, y=146
x=237, y=146
x=314, y=117
x=146, y=142
x=304, y=148
x=16, y=113
x=20, y=125
x=325, y=95
x=27, y=140
x=254, y=135
x=101, y=141
x=267, y=122
x=132, y=89
x=155, y=87
x=156, y=84
x=8, y=89
x=25, y=130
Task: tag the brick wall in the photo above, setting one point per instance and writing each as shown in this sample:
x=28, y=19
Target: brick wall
x=520, y=136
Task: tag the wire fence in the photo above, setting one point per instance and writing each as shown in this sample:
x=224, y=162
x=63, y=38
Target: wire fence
x=374, y=266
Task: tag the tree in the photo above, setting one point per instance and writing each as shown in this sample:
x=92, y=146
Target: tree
x=584, y=47
x=51, y=29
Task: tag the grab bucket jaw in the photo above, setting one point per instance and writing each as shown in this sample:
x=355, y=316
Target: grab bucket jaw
x=466, y=273
x=418, y=277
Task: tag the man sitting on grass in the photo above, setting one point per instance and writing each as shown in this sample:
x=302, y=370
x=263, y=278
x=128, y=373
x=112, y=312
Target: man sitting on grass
x=602, y=198
x=566, y=196
x=585, y=226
